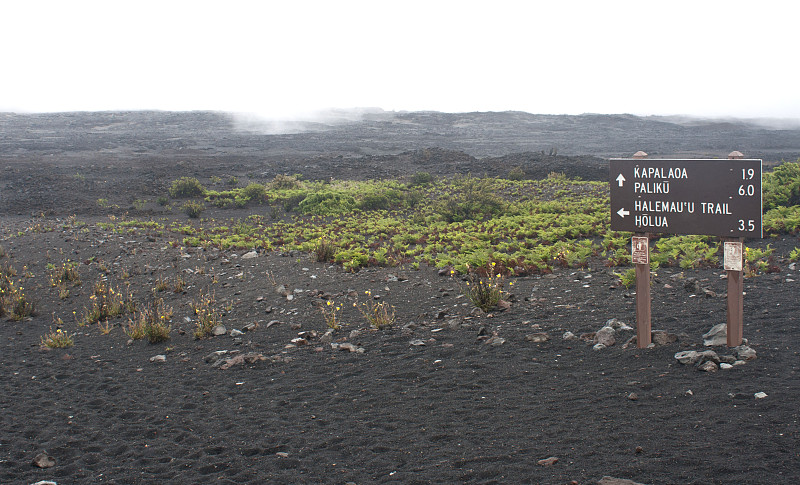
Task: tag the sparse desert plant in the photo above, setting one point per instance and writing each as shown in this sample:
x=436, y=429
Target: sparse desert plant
x=57, y=339
x=106, y=302
x=794, y=255
x=207, y=315
x=66, y=273
x=180, y=284
x=14, y=302
x=324, y=250
x=186, y=187
x=760, y=260
x=161, y=285
x=233, y=181
x=485, y=292
x=193, y=209
x=330, y=312
x=162, y=200
x=627, y=278
x=3, y=252
x=151, y=321
x=378, y=314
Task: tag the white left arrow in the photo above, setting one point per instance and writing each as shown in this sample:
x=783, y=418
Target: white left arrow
x=620, y=179
x=622, y=213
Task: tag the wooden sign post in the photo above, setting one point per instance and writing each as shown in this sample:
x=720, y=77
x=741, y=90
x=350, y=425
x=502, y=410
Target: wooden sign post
x=733, y=263
x=640, y=255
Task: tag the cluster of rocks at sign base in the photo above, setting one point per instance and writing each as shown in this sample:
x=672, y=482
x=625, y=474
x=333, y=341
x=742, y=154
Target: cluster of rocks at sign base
x=614, y=331
x=711, y=361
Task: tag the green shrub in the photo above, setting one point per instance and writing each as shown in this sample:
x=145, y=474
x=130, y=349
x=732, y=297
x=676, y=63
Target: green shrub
x=473, y=198
x=385, y=200
x=516, y=173
x=781, y=187
x=256, y=192
x=327, y=203
x=421, y=178
x=193, y=209
x=284, y=182
x=186, y=187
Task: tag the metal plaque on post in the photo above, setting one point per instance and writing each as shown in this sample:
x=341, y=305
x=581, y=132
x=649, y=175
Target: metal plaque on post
x=732, y=260
x=640, y=250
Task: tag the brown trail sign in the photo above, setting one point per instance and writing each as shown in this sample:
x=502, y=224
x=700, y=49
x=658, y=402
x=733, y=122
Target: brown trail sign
x=709, y=197
x=685, y=196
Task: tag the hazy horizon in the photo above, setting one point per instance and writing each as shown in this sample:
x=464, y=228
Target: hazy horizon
x=294, y=61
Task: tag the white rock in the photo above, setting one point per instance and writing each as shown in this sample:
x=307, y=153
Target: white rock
x=250, y=255
x=219, y=330
x=599, y=347
x=687, y=357
x=760, y=395
x=158, y=358
x=725, y=366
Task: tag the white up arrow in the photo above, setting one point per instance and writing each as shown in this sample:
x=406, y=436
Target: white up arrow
x=620, y=179
x=622, y=213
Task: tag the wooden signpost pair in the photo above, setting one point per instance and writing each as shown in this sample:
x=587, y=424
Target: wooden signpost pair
x=687, y=197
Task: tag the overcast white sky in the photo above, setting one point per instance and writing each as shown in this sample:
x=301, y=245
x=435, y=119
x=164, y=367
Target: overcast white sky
x=284, y=58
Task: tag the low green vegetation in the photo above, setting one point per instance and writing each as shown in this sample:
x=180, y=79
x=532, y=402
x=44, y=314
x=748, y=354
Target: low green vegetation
x=514, y=227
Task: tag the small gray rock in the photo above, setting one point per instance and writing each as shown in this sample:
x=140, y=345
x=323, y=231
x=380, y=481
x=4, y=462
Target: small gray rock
x=688, y=357
x=236, y=333
x=219, y=330
x=708, y=366
x=743, y=352
x=537, y=337
x=605, y=336
x=213, y=357
x=718, y=335
x=43, y=460
x=250, y=255
x=616, y=481
x=158, y=358
x=662, y=337
x=327, y=337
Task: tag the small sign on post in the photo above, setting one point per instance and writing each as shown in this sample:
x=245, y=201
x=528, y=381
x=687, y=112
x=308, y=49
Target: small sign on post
x=733, y=256
x=640, y=250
